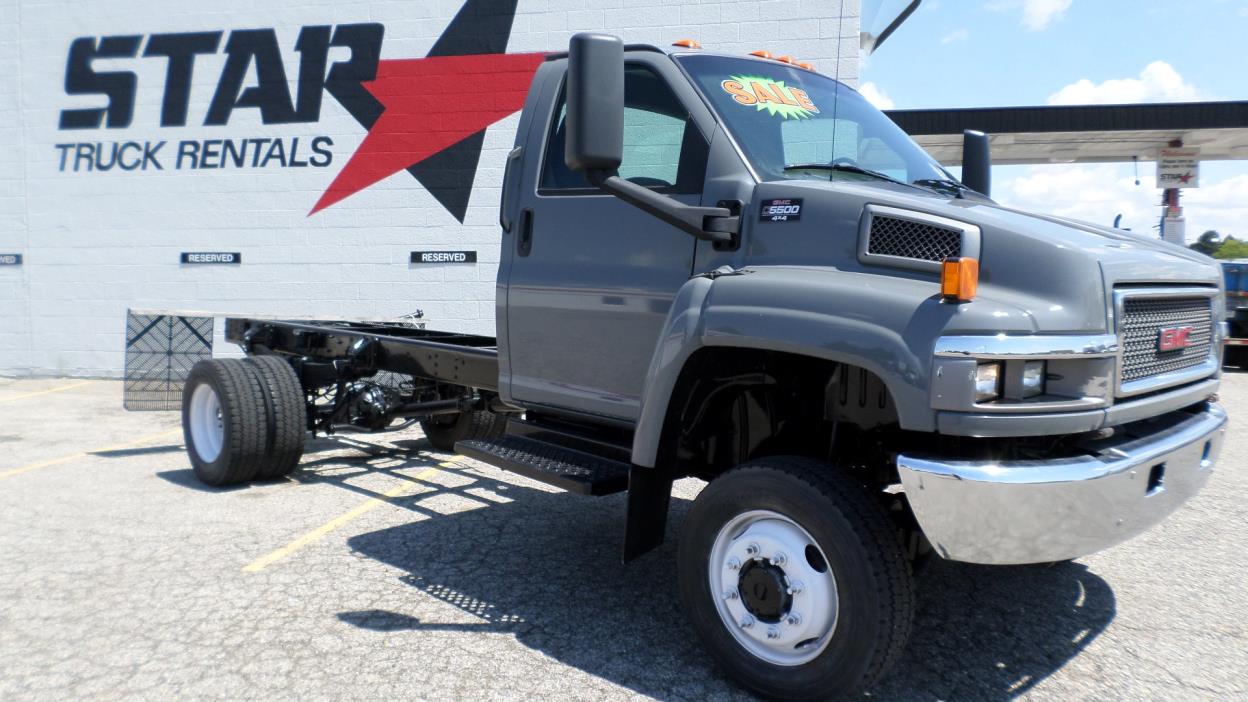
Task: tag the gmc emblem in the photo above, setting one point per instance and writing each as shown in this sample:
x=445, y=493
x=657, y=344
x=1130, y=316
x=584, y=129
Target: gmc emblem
x=1174, y=338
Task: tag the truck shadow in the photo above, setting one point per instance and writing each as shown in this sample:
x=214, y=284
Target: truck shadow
x=545, y=567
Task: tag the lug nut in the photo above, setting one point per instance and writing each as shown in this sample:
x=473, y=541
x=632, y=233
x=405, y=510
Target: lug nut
x=752, y=549
x=779, y=559
x=730, y=594
x=796, y=587
x=793, y=619
x=733, y=563
x=747, y=621
x=773, y=633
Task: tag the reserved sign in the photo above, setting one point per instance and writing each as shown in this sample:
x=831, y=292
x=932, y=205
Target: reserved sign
x=211, y=258
x=10, y=259
x=444, y=257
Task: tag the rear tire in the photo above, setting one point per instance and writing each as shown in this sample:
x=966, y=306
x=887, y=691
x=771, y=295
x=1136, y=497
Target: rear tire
x=286, y=416
x=445, y=430
x=853, y=616
x=224, y=421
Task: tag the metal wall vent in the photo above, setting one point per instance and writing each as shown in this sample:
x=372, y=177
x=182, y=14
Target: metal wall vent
x=909, y=239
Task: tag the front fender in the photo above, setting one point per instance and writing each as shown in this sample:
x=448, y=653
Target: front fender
x=885, y=324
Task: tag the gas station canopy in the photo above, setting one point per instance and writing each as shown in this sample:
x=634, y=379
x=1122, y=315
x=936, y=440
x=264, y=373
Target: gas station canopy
x=1083, y=133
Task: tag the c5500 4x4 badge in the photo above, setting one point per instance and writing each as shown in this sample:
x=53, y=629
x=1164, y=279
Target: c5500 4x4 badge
x=785, y=210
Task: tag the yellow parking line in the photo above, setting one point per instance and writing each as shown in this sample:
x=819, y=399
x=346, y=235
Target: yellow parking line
x=320, y=532
x=46, y=392
x=84, y=454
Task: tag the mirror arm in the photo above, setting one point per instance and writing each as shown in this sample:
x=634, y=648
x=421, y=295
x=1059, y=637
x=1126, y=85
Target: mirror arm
x=706, y=223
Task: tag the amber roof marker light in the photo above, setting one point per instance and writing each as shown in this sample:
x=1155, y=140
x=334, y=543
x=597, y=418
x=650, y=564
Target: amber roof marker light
x=783, y=59
x=687, y=43
x=959, y=279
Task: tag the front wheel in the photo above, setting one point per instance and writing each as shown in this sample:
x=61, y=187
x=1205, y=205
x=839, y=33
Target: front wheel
x=795, y=579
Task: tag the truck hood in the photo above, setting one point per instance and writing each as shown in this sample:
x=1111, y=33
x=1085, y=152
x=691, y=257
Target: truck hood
x=1125, y=257
x=1039, y=272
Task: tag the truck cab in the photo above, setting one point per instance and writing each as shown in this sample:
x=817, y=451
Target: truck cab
x=736, y=269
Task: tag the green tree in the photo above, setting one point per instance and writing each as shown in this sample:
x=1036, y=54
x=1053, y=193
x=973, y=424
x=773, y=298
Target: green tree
x=1232, y=248
x=1208, y=243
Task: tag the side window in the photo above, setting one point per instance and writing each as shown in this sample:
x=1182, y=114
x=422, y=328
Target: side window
x=663, y=149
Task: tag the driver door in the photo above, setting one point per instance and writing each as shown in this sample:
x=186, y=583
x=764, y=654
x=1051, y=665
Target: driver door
x=591, y=277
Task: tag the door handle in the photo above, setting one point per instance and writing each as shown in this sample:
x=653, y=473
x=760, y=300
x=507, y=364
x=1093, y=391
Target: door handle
x=525, y=240
x=504, y=207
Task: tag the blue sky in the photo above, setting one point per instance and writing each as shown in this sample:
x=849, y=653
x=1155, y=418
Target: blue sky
x=970, y=53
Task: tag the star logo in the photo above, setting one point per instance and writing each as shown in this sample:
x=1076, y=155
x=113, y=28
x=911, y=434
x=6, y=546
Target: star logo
x=428, y=116
x=1186, y=178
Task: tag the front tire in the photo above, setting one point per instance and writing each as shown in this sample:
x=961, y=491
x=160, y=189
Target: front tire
x=795, y=579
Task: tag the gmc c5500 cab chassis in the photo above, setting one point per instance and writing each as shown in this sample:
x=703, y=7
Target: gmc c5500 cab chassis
x=736, y=269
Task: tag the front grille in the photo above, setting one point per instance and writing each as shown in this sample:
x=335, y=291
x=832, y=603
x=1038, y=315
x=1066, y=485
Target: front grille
x=1143, y=318
x=891, y=236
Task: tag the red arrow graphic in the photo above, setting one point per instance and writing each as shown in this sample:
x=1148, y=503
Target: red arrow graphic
x=430, y=104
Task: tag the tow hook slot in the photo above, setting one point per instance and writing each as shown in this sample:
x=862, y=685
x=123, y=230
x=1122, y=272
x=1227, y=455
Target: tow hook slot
x=1156, y=479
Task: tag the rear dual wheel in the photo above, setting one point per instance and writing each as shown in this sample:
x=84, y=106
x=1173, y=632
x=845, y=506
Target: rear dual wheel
x=795, y=579
x=243, y=419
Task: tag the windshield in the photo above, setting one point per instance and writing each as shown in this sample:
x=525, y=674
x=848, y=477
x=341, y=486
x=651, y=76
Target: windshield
x=797, y=124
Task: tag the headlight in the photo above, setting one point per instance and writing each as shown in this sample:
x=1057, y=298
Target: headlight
x=1033, y=378
x=987, y=381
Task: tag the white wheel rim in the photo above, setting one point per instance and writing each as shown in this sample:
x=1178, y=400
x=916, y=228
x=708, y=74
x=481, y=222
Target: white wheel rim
x=207, y=423
x=778, y=546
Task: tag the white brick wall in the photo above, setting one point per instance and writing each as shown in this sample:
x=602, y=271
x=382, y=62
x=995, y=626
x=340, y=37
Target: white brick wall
x=97, y=243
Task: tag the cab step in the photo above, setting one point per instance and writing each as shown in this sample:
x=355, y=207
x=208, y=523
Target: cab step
x=566, y=468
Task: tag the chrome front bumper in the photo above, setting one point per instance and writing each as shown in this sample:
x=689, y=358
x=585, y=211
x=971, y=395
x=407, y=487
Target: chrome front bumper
x=1014, y=512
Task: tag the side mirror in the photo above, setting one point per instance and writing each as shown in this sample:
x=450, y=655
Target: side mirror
x=595, y=98
x=976, y=162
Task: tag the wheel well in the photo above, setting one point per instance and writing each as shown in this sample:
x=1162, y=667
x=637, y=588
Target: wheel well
x=731, y=405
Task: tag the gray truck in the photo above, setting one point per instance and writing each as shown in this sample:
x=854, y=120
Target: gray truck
x=734, y=268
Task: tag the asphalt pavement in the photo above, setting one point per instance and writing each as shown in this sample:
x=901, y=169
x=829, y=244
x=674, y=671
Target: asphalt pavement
x=384, y=570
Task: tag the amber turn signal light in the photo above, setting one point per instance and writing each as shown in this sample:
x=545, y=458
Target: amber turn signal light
x=959, y=279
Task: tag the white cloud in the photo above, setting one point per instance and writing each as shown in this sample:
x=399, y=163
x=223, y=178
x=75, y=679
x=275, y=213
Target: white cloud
x=1098, y=193
x=876, y=96
x=1158, y=82
x=1037, y=14
x=955, y=35
x=1095, y=193
x=1222, y=206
